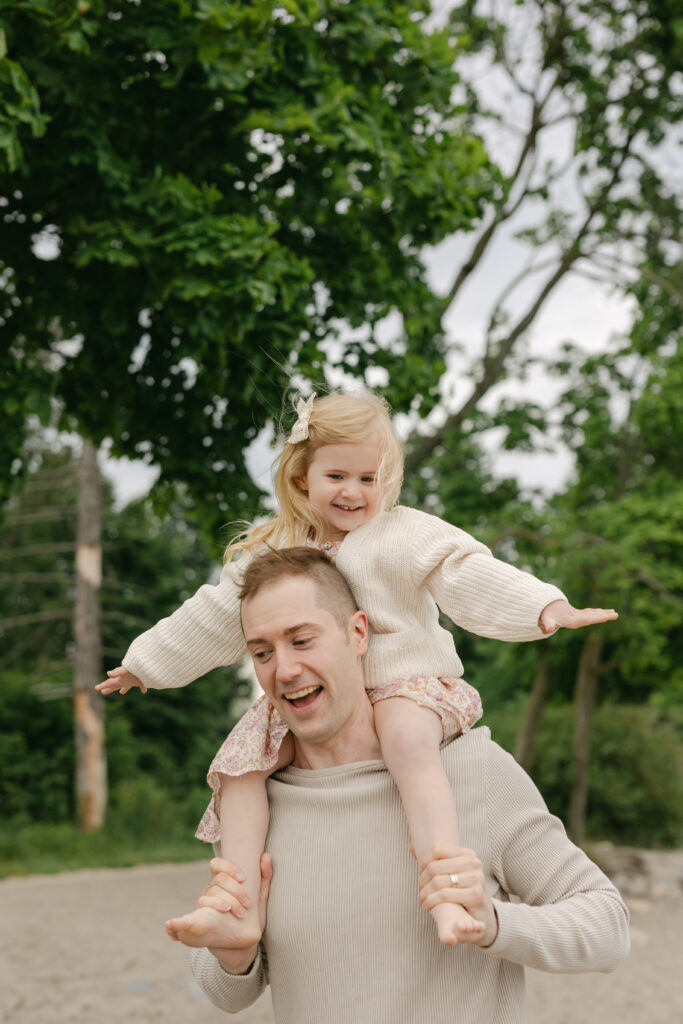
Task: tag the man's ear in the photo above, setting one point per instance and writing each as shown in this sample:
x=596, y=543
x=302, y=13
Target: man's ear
x=359, y=632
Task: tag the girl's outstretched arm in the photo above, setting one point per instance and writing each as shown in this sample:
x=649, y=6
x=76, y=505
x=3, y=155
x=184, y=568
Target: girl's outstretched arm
x=204, y=633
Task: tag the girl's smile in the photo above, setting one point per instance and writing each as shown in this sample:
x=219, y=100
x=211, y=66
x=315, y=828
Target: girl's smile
x=342, y=486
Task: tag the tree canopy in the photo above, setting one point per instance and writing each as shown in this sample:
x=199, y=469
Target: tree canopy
x=197, y=196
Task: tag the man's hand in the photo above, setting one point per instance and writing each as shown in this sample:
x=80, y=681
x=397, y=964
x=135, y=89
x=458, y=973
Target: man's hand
x=436, y=886
x=560, y=613
x=120, y=679
x=222, y=891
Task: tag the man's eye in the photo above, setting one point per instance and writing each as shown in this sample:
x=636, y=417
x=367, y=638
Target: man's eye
x=260, y=655
x=302, y=640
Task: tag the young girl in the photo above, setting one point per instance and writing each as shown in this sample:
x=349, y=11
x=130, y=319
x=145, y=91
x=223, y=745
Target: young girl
x=337, y=482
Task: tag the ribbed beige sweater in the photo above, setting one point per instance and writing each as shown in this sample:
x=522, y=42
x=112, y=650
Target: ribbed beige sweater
x=397, y=565
x=346, y=941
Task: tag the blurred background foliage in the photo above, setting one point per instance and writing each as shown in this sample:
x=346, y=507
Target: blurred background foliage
x=204, y=203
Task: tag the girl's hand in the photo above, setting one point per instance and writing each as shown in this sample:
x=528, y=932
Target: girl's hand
x=561, y=614
x=121, y=680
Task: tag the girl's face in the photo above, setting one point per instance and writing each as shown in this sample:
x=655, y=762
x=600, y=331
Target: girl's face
x=341, y=483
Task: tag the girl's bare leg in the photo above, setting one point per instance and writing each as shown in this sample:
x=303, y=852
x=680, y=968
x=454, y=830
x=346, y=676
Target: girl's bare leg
x=410, y=736
x=244, y=819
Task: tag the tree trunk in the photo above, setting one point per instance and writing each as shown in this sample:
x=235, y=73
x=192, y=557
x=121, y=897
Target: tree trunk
x=584, y=705
x=526, y=739
x=91, y=768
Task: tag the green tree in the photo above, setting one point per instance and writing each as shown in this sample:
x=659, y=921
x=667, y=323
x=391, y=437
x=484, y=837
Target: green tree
x=220, y=189
x=160, y=742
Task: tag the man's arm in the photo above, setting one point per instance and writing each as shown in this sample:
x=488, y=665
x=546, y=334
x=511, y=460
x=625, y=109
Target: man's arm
x=229, y=992
x=232, y=978
x=572, y=918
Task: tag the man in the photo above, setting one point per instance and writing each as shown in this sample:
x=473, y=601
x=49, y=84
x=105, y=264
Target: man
x=346, y=941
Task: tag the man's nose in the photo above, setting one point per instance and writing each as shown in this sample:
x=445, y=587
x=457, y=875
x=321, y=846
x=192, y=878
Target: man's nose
x=288, y=667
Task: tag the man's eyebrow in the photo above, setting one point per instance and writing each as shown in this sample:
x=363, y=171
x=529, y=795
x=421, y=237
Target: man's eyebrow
x=287, y=632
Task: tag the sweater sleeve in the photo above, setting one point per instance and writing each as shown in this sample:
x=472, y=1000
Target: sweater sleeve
x=202, y=634
x=229, y=992
x=572, y=918
x=476, y=590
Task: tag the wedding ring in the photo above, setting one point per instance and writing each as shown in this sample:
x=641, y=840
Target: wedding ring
x=455, y=880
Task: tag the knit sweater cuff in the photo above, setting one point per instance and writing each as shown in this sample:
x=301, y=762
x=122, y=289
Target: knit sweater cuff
x=506, y=942
x=230, y=992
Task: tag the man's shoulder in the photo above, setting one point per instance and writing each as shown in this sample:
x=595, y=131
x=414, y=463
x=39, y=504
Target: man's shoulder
x=477, y=745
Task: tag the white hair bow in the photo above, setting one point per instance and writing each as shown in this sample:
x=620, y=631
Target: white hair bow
x=304, y=408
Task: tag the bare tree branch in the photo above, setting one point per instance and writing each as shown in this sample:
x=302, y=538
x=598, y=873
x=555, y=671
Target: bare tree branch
x=58, y=548
x=492, y=366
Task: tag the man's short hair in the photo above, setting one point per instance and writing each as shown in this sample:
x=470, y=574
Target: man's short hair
x=276, y=564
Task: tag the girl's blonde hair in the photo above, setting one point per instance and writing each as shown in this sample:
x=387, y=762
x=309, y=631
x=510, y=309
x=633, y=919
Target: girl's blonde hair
x=335, y=419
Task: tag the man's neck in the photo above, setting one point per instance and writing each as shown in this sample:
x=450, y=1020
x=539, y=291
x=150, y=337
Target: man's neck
x=356, y=741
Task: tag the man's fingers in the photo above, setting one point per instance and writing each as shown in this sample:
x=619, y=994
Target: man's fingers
x=434, y=857
x=223, y=904
x=464, y=897
x=226, y=888
x=221, y=866
x=266, y=876
x=463, y=866
x=223, y=885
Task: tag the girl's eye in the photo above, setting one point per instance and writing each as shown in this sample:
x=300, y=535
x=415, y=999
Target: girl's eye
x=260, y=655
x=368, y=479
x=334, y=476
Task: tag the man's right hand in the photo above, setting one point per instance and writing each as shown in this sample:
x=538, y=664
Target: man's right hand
x=121, y=680
x=224, y=875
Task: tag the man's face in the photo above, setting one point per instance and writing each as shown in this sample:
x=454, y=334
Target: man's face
x=309, y=667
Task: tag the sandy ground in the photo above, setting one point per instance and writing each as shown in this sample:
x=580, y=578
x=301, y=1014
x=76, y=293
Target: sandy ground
x=89, y=948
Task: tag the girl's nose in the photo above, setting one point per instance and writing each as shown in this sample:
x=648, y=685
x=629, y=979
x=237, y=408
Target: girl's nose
x=350, y=489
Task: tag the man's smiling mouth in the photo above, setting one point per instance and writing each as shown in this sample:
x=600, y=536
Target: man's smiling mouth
x=302, y=698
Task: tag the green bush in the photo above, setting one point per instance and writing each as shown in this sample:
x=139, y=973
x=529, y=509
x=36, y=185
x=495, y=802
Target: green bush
x=635, y=794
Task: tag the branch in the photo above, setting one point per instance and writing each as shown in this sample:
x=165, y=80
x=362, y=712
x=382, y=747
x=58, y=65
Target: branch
x=62, y=547
x=35, y=577
x=492, y=368
x=526, y=270
x=503, y=213
x=34, y=617
x=39, y=515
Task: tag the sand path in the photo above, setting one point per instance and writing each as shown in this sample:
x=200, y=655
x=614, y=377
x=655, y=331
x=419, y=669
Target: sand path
x=89, y=947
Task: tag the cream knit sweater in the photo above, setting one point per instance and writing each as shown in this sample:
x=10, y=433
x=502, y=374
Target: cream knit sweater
x=397, y=565
x=346, y=941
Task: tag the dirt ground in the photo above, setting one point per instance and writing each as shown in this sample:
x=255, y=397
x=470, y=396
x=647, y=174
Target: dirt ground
x=89, y=948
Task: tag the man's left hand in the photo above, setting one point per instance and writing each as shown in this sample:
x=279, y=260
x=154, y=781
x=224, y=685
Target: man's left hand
x=436, y=886
x=561, y=614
